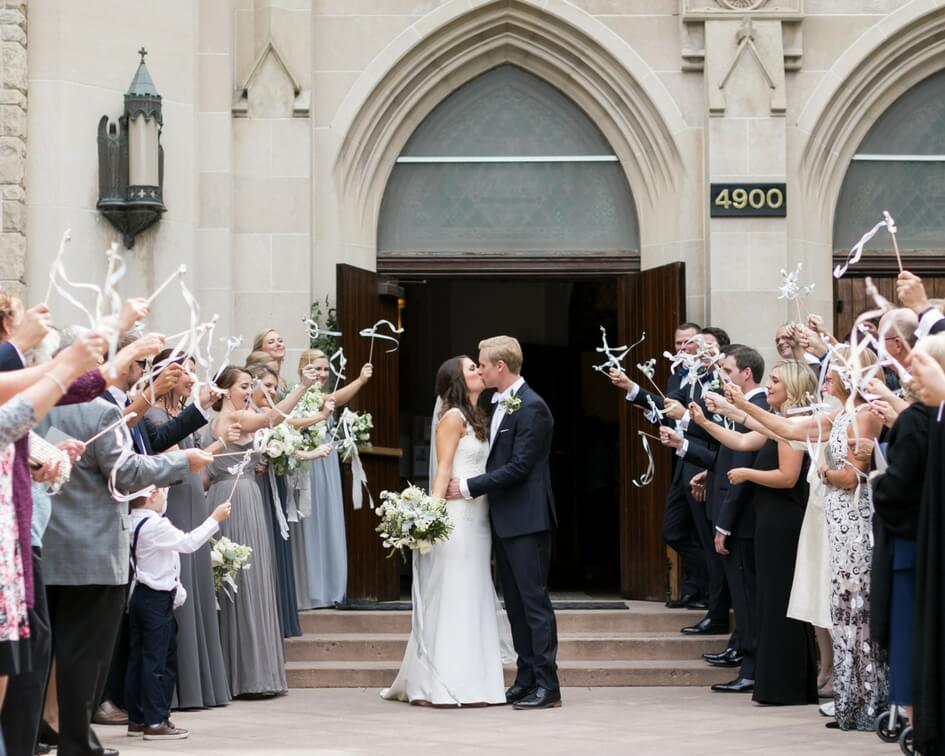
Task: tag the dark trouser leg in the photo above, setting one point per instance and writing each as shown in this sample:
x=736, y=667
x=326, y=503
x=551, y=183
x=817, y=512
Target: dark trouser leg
x=679, y=534
x=529, y=558
x=739, y=568
x=720, y=603
x=514, y=607
x=23, y=706
x=153, y=651
x=118, y=670
x=84, y=621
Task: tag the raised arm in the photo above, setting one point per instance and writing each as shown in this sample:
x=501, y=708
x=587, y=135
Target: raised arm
x=251, y=422
x=798, y=428
x=346, y=393
x=749, y=442
x=448, y=433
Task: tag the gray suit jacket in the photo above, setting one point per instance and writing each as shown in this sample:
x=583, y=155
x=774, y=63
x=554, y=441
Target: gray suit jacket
x=86, y=542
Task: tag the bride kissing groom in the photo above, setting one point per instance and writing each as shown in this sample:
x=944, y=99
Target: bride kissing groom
x=494, y=474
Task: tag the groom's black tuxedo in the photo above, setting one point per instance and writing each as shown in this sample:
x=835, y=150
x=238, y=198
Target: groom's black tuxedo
x=521, y=504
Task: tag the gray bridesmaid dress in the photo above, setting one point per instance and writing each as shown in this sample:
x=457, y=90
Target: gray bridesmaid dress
x=201, y=674
x=323, y=537
x=249, y=620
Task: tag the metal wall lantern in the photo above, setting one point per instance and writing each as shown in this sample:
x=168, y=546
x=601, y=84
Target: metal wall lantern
x=131, y=160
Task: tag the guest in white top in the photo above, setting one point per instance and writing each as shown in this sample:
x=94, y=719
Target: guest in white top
x=155, y=593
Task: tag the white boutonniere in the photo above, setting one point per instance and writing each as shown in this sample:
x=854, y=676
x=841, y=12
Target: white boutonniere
x=511, y=404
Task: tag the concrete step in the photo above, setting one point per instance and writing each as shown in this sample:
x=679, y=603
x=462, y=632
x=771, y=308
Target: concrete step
x=642, y=617
x=376, y=647
x=379, y=674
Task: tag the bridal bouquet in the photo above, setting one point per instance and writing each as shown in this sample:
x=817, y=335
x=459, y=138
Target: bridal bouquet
x=311, y=404
x=412, y=519
x=356, y=430
x=228, y=559
x=283, y=443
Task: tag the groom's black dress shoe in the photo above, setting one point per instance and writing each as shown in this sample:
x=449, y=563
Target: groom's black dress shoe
x=728, y=658
x=740, y=685
x=517, y=693
x=540, y=698
x=683, y=601
x=719, y=655
x=706, y=626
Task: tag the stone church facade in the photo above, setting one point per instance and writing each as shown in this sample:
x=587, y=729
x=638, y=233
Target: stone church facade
x=284, y=120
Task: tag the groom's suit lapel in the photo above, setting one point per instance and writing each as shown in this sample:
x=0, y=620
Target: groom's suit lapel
x=508, y=419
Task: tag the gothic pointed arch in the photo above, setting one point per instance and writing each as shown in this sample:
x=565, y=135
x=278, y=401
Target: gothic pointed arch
x=551, y=39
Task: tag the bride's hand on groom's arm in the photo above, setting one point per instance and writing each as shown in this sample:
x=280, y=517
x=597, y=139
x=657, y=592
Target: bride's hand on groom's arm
x=453, y=490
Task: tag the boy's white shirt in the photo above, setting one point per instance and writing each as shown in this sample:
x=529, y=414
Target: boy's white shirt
x=159, y=544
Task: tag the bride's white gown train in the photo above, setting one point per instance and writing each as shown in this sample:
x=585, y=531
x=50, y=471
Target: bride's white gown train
x=454, y=606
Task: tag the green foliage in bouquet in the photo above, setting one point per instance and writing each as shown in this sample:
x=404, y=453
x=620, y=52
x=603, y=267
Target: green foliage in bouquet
x=412, y=519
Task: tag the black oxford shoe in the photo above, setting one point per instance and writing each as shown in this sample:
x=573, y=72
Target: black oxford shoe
x=730, y=659
x=540, y=698
x=741, y=685
x=718, y=655
x=517, y=692
x=706, y=627
x=683, y=601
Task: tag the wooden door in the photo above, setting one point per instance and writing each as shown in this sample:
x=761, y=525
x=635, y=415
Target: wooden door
x=653, y=301
x=371, y=576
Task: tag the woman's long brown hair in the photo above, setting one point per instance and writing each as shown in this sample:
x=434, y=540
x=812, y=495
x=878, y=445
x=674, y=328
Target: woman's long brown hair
x=451, y=388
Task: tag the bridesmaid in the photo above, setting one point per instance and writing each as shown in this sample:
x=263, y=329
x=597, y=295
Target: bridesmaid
x=249, y=619
x=201, y=675
x=319, y=539
x=272, y=343
x=785, y=655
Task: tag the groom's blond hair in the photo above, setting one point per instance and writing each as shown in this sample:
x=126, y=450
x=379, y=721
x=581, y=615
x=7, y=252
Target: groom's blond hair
x=505, y=348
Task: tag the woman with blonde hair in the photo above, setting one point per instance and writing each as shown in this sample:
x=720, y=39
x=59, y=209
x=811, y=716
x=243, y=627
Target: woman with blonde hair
x=785, y=655
x=860, y=683
x=319, y=546
x=271, y=342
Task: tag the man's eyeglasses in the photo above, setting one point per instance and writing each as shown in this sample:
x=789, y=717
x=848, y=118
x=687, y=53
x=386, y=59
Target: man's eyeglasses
x=143, y=364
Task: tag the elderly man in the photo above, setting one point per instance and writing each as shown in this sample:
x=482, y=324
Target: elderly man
x=899, y=328
x=87, y=549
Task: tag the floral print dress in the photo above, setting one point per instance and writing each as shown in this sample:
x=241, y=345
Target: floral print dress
x=16, y=419
x=860, y=679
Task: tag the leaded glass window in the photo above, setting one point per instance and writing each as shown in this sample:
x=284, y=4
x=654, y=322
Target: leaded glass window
x=900, y=167
x=507, y=163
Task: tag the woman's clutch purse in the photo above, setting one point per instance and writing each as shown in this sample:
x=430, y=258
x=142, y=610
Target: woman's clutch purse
x=41, y=452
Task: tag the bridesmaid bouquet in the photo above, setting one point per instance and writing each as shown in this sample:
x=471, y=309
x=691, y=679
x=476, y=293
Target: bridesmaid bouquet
x=356, y=432
x=412, y=519
x=228, y=559
x=283, y=443
x=310, y=404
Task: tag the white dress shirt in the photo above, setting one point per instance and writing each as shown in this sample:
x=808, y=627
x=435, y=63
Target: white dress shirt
x=497, y=398
x=159, y=543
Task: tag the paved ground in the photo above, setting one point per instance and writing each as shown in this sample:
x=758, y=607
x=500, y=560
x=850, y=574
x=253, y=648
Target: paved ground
x=597, y=721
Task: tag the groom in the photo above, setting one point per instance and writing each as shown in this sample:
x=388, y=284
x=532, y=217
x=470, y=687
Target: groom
x=521, y=505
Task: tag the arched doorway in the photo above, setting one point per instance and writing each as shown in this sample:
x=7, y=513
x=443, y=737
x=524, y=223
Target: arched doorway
x=508, y=212
x=899, y=166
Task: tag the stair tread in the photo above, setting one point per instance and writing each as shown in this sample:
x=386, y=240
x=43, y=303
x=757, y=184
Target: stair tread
x=571, y=636
x=677, y=664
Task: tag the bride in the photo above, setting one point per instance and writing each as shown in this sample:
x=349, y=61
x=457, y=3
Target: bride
x=454, y=654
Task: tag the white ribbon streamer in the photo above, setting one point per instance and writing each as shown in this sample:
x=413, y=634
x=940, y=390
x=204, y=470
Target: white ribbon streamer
x=373, y=334
x=175, y=275
x=126, y=450
x=277, y=504
x=121, y=421
x=614, y=361
x=857, y=251
x=647, y=476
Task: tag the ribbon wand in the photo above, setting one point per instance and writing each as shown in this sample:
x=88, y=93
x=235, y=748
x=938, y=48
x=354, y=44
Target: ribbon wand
x=891, y=227
x=124, y=419
x=373, y=334
x=66, y=237
x=173, y=277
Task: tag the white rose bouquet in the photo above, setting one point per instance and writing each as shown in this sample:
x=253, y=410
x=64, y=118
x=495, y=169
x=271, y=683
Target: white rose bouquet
x=412, y=519
x=228, y=560
x=311, y=404
x=356, y=432
x=283, y=443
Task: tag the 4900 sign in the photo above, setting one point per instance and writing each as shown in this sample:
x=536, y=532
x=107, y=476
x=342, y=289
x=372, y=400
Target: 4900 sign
x=748, y=200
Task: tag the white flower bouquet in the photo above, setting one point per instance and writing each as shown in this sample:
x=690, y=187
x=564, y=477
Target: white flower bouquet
x=356, y=432
x=228, y=560
x=311, y=404
x=412, y=519
x=281, y=448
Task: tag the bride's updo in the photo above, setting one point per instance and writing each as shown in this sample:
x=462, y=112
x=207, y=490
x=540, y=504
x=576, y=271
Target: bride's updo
x=451, y=388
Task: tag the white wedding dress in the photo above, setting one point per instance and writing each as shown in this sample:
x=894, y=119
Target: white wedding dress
x=455, y=651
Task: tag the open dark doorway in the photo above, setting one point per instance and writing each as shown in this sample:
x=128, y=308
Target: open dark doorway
x=558, y=323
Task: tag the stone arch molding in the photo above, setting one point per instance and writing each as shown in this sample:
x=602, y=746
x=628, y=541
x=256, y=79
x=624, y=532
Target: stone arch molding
x=884, y=62
x=464, y=38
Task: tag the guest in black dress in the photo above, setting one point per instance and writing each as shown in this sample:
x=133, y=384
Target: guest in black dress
x=785, y=649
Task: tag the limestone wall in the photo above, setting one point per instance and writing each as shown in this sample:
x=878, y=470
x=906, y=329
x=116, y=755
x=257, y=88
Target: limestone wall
x=13, y=97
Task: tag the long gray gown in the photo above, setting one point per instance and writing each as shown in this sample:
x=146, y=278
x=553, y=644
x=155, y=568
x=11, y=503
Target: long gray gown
x=201, y=674
x=322, y=572
x=249, y=620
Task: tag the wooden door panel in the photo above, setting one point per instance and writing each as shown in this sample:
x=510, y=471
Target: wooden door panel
x=371, y=576
x=653, y=301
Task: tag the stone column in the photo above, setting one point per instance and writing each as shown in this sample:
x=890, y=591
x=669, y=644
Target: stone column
x=743, y=49
x=13, y=92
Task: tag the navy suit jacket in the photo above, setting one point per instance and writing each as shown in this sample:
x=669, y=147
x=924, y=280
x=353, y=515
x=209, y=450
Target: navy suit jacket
x=728, y=507
x=518, y=475
x=159, y=438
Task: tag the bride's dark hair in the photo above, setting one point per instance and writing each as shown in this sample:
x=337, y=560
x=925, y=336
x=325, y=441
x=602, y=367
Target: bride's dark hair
x=451, y=388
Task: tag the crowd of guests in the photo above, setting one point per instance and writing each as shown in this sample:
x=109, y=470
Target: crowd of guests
x=115, y=474
x=811, y=508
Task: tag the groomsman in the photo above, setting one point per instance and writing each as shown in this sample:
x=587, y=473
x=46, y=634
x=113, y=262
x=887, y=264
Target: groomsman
x=87, y=564
x=733, y=518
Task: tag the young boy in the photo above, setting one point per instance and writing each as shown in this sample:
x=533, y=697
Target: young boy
x=156, y=593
